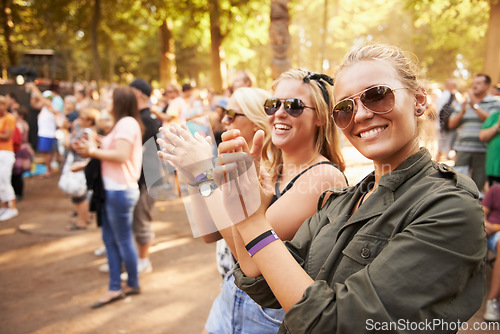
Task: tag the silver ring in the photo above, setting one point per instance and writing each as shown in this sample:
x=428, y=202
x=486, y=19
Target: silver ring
x=173, y=150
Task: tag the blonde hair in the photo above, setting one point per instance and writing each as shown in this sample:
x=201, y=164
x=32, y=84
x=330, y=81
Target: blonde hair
x=251, y=101
x=327, y=141
x=404, y=63
x=90, y=113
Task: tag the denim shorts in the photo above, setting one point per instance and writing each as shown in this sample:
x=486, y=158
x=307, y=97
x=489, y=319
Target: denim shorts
x=234, y=312
x=493, y=241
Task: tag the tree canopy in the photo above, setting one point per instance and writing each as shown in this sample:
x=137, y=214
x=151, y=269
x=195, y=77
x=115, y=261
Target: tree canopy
x=448, y=36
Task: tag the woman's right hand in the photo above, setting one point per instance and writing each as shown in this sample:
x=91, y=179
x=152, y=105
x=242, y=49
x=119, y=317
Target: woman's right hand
x=233, y=142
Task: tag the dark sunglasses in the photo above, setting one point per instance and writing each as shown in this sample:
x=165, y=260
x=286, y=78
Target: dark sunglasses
x=231, y=115
x=377, y=99
x=294, y=107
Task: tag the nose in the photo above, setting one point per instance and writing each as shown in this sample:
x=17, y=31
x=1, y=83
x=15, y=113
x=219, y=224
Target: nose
x=225, y=120
x=361, y=113
x=281, y=111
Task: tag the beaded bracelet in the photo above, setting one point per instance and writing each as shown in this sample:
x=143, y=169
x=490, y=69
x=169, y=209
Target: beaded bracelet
x=261, y=241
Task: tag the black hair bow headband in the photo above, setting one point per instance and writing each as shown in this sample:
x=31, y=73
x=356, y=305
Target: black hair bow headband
x=321, y=79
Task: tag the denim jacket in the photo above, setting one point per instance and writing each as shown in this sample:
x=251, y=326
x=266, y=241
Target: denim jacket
x=411, y=255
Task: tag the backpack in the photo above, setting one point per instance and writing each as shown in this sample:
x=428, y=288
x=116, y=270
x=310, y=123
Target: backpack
x=16, y=139
x=445, y=113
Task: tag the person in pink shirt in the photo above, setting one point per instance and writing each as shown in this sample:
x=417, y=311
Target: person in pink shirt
x=121, y=162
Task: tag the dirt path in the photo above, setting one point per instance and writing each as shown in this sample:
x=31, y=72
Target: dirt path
x=49, y=276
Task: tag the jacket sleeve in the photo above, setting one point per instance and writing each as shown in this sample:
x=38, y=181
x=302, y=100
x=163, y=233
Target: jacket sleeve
x=432, y=269
x=257, y=288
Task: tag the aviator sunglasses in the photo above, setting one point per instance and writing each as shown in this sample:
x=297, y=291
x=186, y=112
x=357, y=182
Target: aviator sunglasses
x=231, y=115
x=377, y=99
x=293, y=107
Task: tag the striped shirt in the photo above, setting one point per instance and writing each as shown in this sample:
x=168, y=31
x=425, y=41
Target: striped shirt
x=470, y=125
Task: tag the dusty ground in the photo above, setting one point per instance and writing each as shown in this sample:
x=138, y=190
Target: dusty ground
x=49, y=276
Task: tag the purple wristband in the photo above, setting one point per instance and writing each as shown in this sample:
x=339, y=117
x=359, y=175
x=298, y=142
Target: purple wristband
x=263, y=243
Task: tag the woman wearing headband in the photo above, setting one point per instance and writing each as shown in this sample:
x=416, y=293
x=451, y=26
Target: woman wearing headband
x=303, y=158
x=402, y=248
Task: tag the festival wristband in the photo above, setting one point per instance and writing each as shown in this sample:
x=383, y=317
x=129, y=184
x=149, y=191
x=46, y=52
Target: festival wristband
x=203, y=177
x=261, y=241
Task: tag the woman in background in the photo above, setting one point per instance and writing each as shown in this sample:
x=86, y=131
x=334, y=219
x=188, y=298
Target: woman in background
x=121, y=162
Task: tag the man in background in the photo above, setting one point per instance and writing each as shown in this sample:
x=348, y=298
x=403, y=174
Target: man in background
x=243, y=79
x=143, y=231
x=471, y=152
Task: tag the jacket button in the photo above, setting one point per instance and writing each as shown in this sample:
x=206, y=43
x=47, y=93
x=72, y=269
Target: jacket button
x=365, y=252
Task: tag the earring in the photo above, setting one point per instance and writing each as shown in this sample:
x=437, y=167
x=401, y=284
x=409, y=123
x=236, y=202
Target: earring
x=419, y=112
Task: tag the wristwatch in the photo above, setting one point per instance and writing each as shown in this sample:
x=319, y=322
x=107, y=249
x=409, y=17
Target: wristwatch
x=475, y=106
x=207, y=188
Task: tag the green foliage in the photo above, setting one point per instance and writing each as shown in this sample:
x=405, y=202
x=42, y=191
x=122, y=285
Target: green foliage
x=439, y=32
x=447, y=29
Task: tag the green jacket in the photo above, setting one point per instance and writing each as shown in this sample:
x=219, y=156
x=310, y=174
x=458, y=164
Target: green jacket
x=411, y=256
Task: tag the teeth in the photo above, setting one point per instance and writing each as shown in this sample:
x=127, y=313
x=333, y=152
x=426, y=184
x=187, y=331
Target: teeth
x=370, y=133
x=282, y=127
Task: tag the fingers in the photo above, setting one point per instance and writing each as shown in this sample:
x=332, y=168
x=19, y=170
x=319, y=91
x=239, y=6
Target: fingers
x=166, y=147
x=258, y=143
x=241, y=163
x=230, y=134
x=234, y=145
x=202, y=139
x=183, y=131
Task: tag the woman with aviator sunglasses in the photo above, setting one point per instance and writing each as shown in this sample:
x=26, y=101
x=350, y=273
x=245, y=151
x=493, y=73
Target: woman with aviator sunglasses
x=403, y=247
x=303, y=158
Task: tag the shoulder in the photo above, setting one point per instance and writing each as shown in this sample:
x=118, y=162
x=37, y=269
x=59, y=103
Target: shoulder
x=127, y=121
x=9, y=120
x=128, y=124
x=10, y=117
x=491, y=120
x=326, y=172
x=491, y=102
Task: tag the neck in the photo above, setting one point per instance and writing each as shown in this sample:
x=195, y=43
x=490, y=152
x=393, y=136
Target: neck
x=294, y=163
x=142, y=105
x=387, y=166
x=481, y=96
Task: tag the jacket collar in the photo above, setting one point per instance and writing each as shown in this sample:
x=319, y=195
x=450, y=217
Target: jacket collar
x=406, y=170
x=383, y=196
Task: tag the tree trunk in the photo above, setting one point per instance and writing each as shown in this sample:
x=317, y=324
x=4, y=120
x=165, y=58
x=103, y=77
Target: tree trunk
x=279, y=37
x=112, y=63
x=216, y=39
x=492, y=59
x=8, y=24
x=95, y=46
x=167, y=57
x=324, y=33
x=69, y=63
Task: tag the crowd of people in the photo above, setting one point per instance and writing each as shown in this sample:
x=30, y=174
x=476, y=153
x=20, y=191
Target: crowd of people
x=317, y=255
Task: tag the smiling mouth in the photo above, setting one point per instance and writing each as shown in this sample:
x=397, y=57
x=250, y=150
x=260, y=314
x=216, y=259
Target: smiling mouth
x=372, y=132
x=282, y=127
